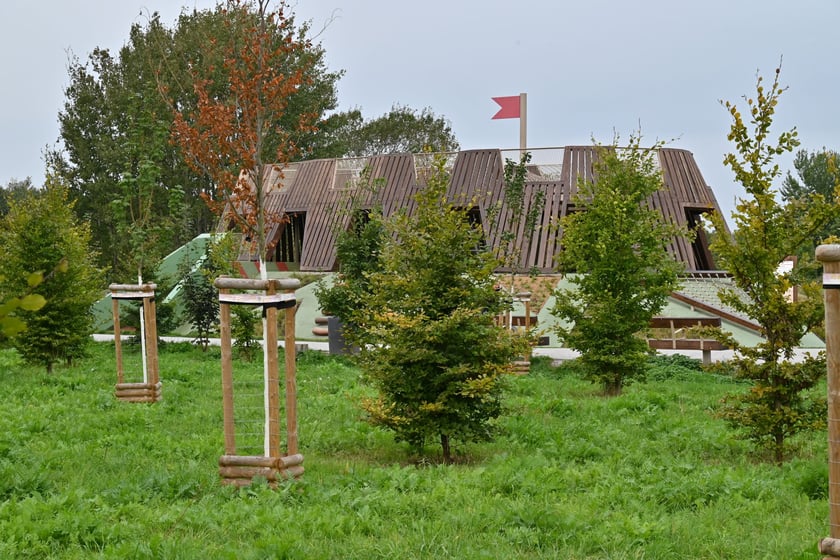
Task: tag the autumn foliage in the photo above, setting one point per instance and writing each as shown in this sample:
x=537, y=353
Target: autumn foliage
x=235, y=137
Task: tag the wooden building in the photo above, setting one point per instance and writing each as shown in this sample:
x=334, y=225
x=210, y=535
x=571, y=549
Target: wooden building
x=311, y=194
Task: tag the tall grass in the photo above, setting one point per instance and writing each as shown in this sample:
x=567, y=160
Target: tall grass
x=649, y=474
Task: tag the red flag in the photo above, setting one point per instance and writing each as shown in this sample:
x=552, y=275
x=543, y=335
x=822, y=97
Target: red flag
x=509, y=107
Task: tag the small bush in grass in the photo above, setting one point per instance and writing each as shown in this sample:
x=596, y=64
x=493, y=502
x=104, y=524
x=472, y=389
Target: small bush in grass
x=811, y=478
x=661, y=367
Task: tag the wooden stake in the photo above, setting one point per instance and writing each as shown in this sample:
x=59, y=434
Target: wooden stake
x=523, y=123
x=272, y=380
x=115, y=306
x=227, y=376
x=291, y=382
x=254, y=284
x=247, y=461
x=151, y=339
x=829, y=255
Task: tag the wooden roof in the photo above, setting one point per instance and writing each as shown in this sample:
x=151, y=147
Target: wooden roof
x=320, y=189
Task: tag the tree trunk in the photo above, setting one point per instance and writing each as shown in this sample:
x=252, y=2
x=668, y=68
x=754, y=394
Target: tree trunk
x=612, y=388
x=779, y=448
x=447, y=452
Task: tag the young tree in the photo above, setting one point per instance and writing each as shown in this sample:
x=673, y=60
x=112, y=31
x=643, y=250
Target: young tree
x=201, y=299
x=521, y=216
x=238, y=136
x=517, y=219
x=430, y=345
x=201, y=303
x=147, y=228
x=778, y=405
x=616, y=245
x=237, y=139
x=41, y=233
x=115, y=131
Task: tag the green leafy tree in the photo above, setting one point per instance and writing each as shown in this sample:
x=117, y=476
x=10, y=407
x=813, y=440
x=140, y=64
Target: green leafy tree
x=42, y=233
x=15, y=190
x=243, y=331
x=778, y=404
x=400, y=130
x=616, y=244
x=816, y=173
x=430, y=345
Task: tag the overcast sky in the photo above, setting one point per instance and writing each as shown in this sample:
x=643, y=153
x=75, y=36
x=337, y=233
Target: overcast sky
x=589, y=68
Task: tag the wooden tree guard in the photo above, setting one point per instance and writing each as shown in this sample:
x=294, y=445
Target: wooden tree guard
x=829, y=255
x=149, y=390
x=523, y=365
x=240, y=470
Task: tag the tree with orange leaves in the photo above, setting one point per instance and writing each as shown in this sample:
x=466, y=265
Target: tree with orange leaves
x=235, y=137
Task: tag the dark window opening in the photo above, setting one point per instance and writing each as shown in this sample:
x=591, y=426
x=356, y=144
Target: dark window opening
x=360, y=219
x=703, y=259
x=291, y=238
x=473, y=216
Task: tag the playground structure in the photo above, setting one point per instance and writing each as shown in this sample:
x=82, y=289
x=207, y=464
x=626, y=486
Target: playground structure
x=270, y=295
x=149, y=390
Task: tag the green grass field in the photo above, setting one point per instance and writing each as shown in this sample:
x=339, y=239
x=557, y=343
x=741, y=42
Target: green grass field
x=649, y=474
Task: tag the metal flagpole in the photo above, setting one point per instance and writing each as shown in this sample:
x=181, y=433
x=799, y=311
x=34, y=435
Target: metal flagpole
x=523, y=123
